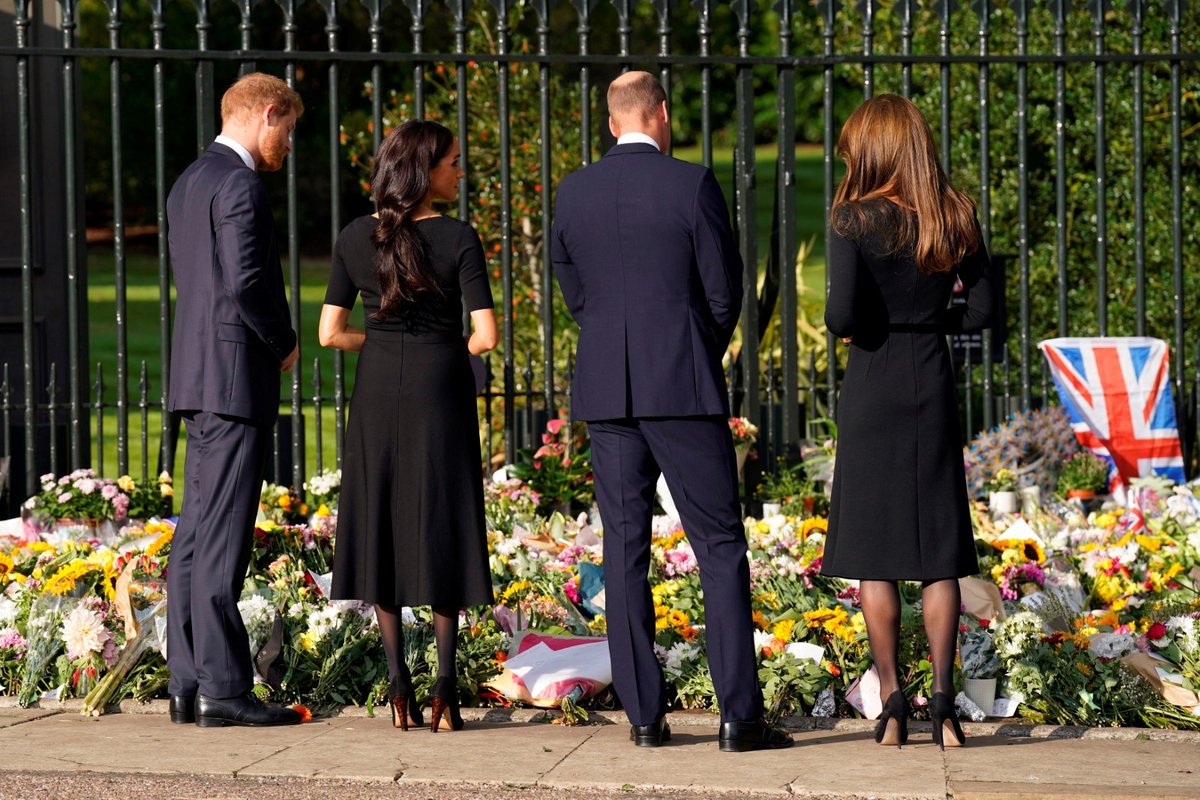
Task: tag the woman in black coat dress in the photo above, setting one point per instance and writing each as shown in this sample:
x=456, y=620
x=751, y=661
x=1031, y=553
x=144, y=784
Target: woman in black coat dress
x=411, y=528
x=903, y=240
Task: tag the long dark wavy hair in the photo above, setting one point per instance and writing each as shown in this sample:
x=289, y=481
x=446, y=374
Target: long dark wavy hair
x=399, y=182
x=889, y=154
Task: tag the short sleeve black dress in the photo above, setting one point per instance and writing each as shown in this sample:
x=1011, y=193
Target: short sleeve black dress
x=899, y=505
x=410, y=519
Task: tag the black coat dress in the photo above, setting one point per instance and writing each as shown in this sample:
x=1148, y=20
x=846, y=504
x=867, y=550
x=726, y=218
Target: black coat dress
x=411, y=528
x=899, y=506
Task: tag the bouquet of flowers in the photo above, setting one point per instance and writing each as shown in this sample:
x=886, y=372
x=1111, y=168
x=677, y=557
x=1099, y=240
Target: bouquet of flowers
x=325, y=488
x=560, y=471
x=744, y=431
x=282, y=505
x=508, y=502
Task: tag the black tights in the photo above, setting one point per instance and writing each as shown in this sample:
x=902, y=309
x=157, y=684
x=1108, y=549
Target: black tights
x=881, y=609
x=391, y=630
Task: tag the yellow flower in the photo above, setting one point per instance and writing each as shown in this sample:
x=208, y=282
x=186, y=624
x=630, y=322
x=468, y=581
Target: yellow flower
x=762, y=527
x=858, y=623
x=832, y=620
x=767, y=599
x=677, y=619
x=1105, y=520
x=760, y=620
x=308, y=642
x=125, y=483
x=819, y=524
x=65, y=578
x=515, y=589
x=165, y=477
x=6, y=564
x=1151, y=543
x=162, y=540
x=165, y=490
x=1084, y=668
x=598, y=624
x=323, y=511
x=783, y=630
x=1018, y=551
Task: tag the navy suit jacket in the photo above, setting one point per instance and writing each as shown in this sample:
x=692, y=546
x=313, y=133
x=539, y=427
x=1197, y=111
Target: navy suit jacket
x=232, y=326
x=646, y=260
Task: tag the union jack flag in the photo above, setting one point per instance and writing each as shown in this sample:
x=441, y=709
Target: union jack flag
x=1118, y=394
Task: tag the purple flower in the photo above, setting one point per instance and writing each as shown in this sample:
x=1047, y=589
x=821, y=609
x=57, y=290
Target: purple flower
x=64, y=497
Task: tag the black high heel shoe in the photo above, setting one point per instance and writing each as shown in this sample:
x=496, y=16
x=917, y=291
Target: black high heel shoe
x=946, y=730
x=403, y=701
x=444, y=706
x=892, y=729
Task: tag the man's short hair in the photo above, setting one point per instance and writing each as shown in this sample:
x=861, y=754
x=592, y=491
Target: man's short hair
x=639, y=94
x=254, y=92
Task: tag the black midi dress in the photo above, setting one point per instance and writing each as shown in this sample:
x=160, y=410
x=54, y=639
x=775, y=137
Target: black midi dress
x=410, y=527
x=899, y=504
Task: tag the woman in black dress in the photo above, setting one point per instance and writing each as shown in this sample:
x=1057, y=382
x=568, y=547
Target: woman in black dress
x=903, y=239
x=410, y=521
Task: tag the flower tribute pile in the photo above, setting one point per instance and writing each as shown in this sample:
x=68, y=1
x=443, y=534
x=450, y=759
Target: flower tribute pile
x=1088, y=619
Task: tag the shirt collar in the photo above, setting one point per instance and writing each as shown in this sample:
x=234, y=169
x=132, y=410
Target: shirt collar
x=637, y=137
x=236, y=147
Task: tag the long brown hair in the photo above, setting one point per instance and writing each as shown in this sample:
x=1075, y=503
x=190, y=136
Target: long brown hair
x=889, y=154
x=399, y=183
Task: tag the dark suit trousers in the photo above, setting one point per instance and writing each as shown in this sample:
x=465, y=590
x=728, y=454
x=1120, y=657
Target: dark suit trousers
x=207, y=648
x=696, y=456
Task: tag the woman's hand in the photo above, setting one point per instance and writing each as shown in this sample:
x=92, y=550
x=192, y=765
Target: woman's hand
x=485, y=335
x=332, y=331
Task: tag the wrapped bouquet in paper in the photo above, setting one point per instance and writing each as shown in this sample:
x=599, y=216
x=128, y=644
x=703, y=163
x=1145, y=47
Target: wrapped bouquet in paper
x=141, y=601
x=555, y=672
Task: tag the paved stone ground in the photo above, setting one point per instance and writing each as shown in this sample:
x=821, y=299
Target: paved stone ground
x=51, y=753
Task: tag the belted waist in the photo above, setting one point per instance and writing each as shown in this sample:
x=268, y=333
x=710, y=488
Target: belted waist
x=914, y=327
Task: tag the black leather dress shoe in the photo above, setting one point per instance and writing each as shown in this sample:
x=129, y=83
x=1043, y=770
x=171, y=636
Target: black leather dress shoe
x=738, y=737
x=651, y=735
x=183, y=708
x=246, y=709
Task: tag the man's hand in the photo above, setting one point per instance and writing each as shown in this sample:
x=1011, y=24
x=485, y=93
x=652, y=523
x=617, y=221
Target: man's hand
x=290, y=361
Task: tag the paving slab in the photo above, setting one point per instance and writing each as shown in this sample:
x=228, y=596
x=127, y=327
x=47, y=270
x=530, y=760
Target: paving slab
x=999, y=766
x=372, y=750
x=691, y=760
x=143, y=744
x=18, y=716
x=841, y=764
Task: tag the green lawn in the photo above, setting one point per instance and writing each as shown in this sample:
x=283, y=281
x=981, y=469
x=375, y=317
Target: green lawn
x=142, y=312
x=142, y=300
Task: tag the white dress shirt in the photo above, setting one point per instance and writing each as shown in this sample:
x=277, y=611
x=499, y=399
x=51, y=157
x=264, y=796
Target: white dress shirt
x=637, y=137
x=237, y=148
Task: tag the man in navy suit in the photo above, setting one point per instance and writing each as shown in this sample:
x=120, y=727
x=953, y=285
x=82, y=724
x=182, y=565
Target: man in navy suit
x=646, y=260
x=233, y=337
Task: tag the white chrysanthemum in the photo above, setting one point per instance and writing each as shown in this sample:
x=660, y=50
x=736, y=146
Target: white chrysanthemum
x=84, y=633
x=1112, y=645
x=8, y=612
x=258, y=615
x=1187, y=633
x=1016, y=633
x=679, y=656
x=322, y=621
